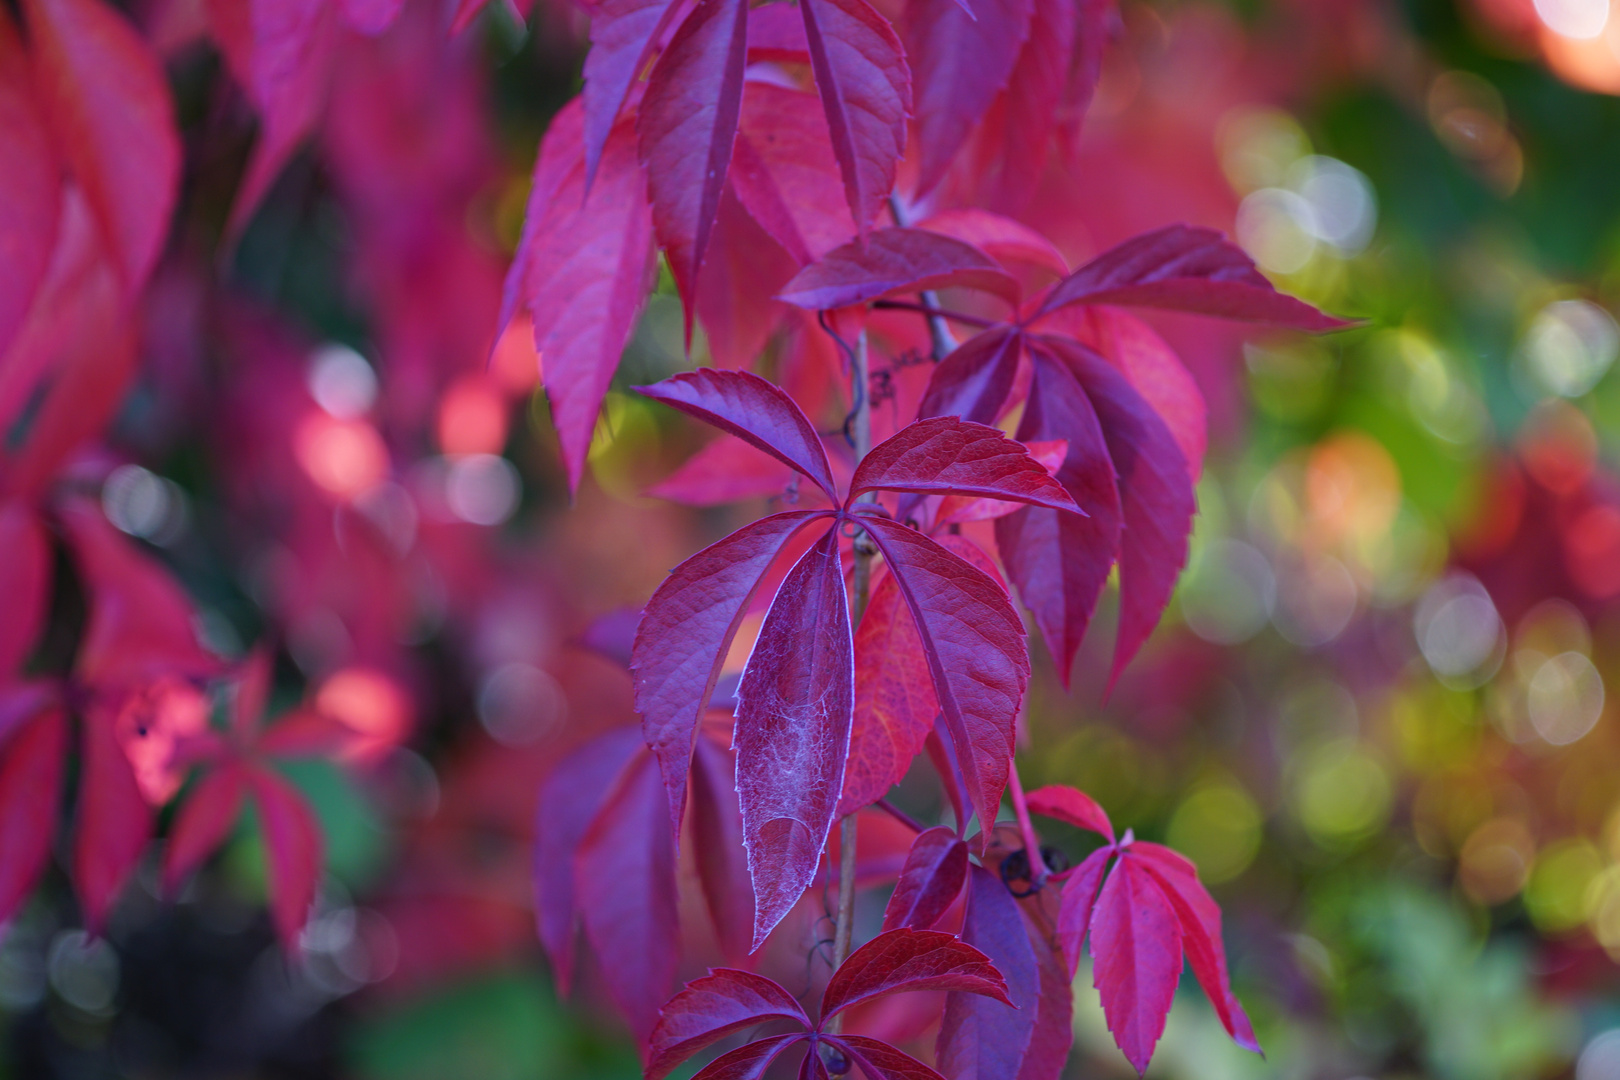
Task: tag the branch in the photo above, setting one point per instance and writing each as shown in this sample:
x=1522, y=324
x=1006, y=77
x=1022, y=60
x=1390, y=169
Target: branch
x=938, y=332
x=934, y=312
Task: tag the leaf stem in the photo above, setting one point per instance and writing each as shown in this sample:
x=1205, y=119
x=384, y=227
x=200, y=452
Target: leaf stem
x=934, y=312
x=938, y=333
x=900, y=815
x=1032, y=843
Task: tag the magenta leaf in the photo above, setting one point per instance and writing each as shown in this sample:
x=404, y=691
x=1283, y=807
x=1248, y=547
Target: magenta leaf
x=1075, y=807
x=896, y=261
x=32, y=759
x=748, y=1062
x=203, y=823
x=980, y=1037
x=907, y=959
x=783, y=170
x=718, y=846
x=974, y=380
x=930, y=881
x=1136, y=959
x=880, y=1061
x=114, y=820
x=293, y=851
x=371, y=16
x=624, y=34
x=709, y=1009
x=895, y=703
x=684, y=633
x=753, y=409
x=1011, y=151
x=736, y=295
x=688, y=122
x=776, y=32
x=1002, y=238
x=727, y=469
x=1185, y=268
x=865, y=86
x=1156, y=372
x=975, y=646
x=30, y=186
x=25, y=581
x=793, y=717
x=562, y=148
x=624, y=882
x=1079, y=897
x=1052, y=1035
x=946, y=454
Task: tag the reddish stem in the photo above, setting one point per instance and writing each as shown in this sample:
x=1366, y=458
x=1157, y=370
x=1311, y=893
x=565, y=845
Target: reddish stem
x=899, y=815
x=1032, y=843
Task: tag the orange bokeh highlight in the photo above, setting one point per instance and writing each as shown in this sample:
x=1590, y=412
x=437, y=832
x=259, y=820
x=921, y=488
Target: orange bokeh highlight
x=472, y=417
x=369, y=703
x=1352, y=487
x=1587, y=63
x=515, y=363
x=156, y=727
x=342, y=457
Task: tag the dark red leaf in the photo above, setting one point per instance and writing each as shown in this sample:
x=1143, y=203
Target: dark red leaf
x=954, y=509
x=1052, y=1035
x=930, y=881
x=1156, y=372
x=114, y=820
x=979, y=1037
x=684, y=633
x=1136, y=959
x=624, y=34
x=31, y=763
x=865, y=87
x=1200, y=920
x=748, y=1062
x=959, y=65
x=946, y=454
x=1002, y=238
x=974, y=380
x=292, y=849
x=896, y=261
x=722, y=858
x=793, y=716
x=725, y=470
x=783, y=169
x=203, y=822
x=25, y=582
x=907, y=959
x=942, y=755
x=895, y=703
x=974, y=642
x=1075, y=807
x=880, y=1061
x=1185, y=268
x=1079, y=897
x=30, y=186
x=108, y=104
x=753, y=409
x=688, y=122
x=709, y=1009
x=624, y=881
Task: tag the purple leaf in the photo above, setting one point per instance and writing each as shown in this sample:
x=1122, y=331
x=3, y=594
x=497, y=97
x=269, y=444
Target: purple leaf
x=753, y=409
x=792, y=738
x=1052, y=1035
x=31, y=764
x=717, y=837
x=974, y=380
x=906, y=959
x=895, y=703
x=1136, y=959
x=974, y=642
x=684, y=633
x=930, y=881
x=978, y=1037
x=865, y=87
x=1075, y=807
x=748, y=1062
x=1185, y=268
x=880, y=1061
x=709, y=1009
x=1079, y=897
x=624, y=34
x=949, y=455
x=896, y=261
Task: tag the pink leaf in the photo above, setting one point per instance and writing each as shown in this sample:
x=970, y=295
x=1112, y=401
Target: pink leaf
x=562, y=149
x=945, y=454
x=880, y=1061
x=624, y=880
x=748, y=1062
x=1154, y=371
x=624, y=34
x=960, y=64
x=252, y=692
x=202, y=823
x=865, y=87
x=684, y=633
x=1200, y=920
x=293, y=851
x=711, y=1008
x=1098, y=23
x=974, y=642
x=1185, y=268
x=736, y=292
x=974, y=380
x=1002, y=238
x=371, y=16
x=1136, y=957
x=114, y=820
x=108, y=103
x=718, y=845
x=725, y=470
x=895, y=704
x=753, y=409
x=793, y=717
x=896, y=261
x=907, y=959
x=981, y=1038
x=930, y=881
x=1079, y=897
x=1060, y=562
x=31, y=764
x=783, y=168
x=1075, y=807
x=30, y=187
x=688, y=122
x=25, y=582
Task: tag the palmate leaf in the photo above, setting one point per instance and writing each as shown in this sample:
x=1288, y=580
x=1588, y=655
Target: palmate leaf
x=892, y=261
x=912, y=959
x=895, y=703
x=930, y=881
x=711, y=1008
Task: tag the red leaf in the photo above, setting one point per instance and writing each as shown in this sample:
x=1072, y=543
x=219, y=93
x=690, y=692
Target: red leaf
x=570, y=799
x=688, y=122
x=896, y=261
x=114, y=820
x=954, y=509
x=25, y=582
x=736, y=293
x=1059, y=561
x=371, y=16
x=293, y=851
x=108, y=103
x=974, y=380
x=1075, y=807
x=793, y=717
x=1011, y=151
x=561, y=151
x=1185, y=268
x=30, y=187
x=31, y=762
x=711, y=1008
x=1052, y=1035
x=202, y=823
x=753, y=409
x=895, y=703
x=748, y=1062
x=946, y=454
x=960, y=64
x=624, y=880
x=251, y=692
x=929, y=882
x=880, y=1061
x=718, y=844
x=974, y=642
x=725, y=470
x=1136, y=956
x=1200, y=920
x=1156, y=372
x=905, y=960
x=624, y=34
x=684, y=633
x=865, y=87
x=978, y=1037
x=1079, y=897
x=1000, y=237
x=783, y=169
